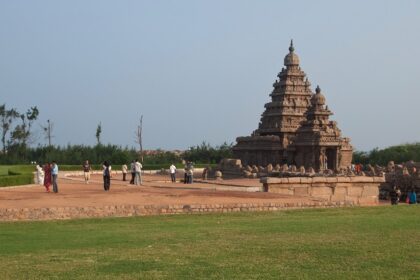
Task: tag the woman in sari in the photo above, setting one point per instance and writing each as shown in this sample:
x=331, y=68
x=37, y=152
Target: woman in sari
x=47, y=176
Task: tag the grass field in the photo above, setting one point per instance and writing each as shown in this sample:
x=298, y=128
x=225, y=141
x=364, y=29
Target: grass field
x=349, y=243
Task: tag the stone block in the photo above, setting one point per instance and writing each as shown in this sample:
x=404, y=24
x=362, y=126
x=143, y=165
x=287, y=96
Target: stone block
x=338, y=197
x=370, y=200
x=325, y=196
x=319, y=180
x=343, y=185
x=340, y=190
x=343, y=180
x=271, y=180
x=361, y=179
x=305, y=180
x=379, y=179
x=294, y=180
x=317, y=191
x=319, y=185
x=352, y=199
x=355, y=191
x=370, y=190
x=301, y=191
x=281, y=190
x=331, y=179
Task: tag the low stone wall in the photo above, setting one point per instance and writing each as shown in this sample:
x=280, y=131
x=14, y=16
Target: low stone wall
x=359, y=190
x=60, y=213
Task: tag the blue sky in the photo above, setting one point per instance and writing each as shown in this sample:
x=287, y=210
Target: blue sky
x=203, y=70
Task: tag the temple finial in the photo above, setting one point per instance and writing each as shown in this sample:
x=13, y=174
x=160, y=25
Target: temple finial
x=318, y=89
x=291, y=48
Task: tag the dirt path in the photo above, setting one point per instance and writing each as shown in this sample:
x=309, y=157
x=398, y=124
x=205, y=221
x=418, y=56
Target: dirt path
x=157, y=190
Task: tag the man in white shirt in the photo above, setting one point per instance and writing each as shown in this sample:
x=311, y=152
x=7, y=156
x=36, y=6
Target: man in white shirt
x=137, y=178
x=124, y=171
x=172, y=171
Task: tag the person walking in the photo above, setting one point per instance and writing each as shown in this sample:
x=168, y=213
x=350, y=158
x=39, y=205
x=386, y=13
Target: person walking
x=107, y=175
x=54, y=175
x=47, y=176
x=137, y=168
x=86, y=171
x=124, y=171
x=172, y=171
x=133, y=172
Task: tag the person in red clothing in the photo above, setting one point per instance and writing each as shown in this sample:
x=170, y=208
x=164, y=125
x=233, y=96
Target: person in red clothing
x=47, y=176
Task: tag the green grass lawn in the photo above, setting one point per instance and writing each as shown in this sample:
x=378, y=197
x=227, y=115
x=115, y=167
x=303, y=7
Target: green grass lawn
x=348, y=243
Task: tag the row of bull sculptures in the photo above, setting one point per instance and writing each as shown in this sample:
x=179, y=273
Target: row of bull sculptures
x=404, y=176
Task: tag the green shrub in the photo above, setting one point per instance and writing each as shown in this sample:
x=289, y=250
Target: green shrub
x=17, y=175
x=16, y=180
x=13, y=173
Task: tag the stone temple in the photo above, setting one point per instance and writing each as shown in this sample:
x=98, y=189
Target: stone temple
x=295, y=128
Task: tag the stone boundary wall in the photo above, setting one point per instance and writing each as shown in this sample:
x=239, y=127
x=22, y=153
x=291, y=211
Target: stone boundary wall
x=62, y=213
x=360, y=190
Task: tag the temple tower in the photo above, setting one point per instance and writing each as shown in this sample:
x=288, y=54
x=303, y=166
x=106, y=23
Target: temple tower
x=318, y=142
x=290, y=100
x=295, y=126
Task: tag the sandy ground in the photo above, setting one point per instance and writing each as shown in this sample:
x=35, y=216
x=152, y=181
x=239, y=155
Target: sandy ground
x=156, y=190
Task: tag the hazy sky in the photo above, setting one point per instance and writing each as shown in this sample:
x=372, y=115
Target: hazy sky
x=203, y=70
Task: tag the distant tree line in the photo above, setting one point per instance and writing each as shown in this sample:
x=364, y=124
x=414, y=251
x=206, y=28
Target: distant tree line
x=398, y=154
x=17, y=139
x=76, y=154
x=205, y=153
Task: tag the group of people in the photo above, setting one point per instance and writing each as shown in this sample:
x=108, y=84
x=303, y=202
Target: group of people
x=395, y=196
x=188, y=173
x=47, y=174
x=135, y=169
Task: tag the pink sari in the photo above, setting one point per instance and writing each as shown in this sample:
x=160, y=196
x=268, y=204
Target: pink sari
x=47, y=178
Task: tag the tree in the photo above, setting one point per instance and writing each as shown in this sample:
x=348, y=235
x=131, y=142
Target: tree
x=98, y=134
x=22, y=133
x=139, y=137
x=48, y=131
x=6, y=119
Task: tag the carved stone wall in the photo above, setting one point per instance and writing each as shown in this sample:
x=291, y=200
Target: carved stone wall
x=360, y=190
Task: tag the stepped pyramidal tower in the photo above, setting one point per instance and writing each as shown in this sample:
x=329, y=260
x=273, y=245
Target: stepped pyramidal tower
x=295, y=126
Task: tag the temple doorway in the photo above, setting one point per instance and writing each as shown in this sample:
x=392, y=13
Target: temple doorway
x=331, y=159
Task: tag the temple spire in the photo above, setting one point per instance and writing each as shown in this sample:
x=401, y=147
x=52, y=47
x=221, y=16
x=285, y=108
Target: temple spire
x=291, y=48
